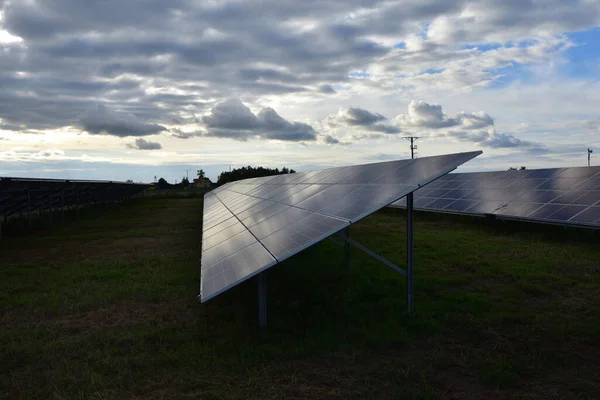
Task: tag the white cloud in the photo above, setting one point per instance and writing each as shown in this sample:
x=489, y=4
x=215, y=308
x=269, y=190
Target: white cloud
x=423, y=115
x=321, y=65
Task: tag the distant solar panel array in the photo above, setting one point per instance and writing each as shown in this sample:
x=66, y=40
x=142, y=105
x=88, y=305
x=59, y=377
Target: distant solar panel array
x=567, y=196
x=25, y=195
x=250, y=225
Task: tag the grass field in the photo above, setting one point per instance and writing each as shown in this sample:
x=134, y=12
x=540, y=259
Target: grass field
x=106, y=308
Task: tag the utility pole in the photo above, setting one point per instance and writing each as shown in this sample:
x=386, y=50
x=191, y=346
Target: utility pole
x=187, y=174
x=413, y=146
x=229, y=167
x=590, y=151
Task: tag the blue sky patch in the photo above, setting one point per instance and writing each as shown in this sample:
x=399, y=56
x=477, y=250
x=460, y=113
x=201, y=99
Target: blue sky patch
x=584, y=57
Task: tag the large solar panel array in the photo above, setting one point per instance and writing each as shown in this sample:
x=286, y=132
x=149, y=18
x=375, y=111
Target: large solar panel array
x=568, y=196
x=250, y=225
x=19, y=195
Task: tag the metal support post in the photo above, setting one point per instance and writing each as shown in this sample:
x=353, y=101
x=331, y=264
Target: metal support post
x=347, y=249
x=262, y=300
x=28, y=211
x=410, y=253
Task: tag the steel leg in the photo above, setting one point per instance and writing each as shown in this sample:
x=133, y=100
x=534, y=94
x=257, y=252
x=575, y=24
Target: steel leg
x=410, y=253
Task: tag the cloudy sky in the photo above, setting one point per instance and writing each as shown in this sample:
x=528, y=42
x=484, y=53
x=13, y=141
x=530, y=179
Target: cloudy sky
x=132, y=89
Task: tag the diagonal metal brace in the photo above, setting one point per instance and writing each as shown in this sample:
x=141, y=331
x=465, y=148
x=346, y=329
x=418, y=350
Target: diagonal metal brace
x=372, y=254
x=335, y=241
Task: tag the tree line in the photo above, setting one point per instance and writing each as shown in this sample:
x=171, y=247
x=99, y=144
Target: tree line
x=250, y=172
x=235, y=174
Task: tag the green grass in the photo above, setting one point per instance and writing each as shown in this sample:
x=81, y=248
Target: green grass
x=105, y=308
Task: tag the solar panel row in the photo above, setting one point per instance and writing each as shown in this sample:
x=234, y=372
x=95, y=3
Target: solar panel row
x=21, y=195
x=569, y=196
x=250, y=225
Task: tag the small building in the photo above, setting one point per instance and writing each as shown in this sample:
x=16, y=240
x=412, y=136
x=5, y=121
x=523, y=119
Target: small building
x=202, y=183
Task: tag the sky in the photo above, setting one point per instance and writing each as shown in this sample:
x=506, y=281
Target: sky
x=142, y=88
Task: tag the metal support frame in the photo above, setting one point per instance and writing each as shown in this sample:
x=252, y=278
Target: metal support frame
x=373, y=254
x=347, y=249
x=344, y=234
x=262, y=300
x=410, y=256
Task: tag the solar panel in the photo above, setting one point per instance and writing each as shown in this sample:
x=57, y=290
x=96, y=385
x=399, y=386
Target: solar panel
x=568, y=196
x=251, y=225
x=26, y=195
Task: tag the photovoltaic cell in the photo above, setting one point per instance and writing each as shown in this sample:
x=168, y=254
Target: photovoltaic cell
x=556, y=195
x=226, y=272
x=296, y=237
x=250, y=225
x=588, y=216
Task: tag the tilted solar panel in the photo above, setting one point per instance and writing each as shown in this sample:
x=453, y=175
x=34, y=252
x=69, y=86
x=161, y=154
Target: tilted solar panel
x=569, y=196
x=250, y=225
x=19, y=195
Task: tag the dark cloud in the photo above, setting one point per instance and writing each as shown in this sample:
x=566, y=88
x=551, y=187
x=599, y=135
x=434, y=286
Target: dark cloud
x=367, y=136
x=328, y=139
x=179, y=134
x=361, y=118
x=358, y=116
x=276, y=127
x=102, y=120
x=327, y=89
x=143, y=144
x=231, y=114
x=232, y=119
x=385, y=128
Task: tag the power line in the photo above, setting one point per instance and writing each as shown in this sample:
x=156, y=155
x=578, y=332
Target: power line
x=413, y=146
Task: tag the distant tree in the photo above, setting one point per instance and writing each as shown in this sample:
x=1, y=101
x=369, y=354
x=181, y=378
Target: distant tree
x=250, y=172
x=517, y=169
x=201, y=173
x=129, y=181
x=162, y=184
x=185, y=182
